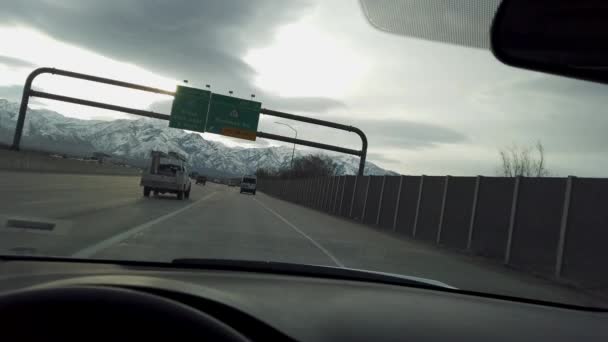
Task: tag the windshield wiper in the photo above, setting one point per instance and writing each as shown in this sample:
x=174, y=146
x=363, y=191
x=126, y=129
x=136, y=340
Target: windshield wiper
x=312, y=271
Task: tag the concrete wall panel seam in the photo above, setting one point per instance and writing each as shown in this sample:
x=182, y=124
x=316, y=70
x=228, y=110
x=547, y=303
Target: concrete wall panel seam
x=512, y=219
x=352, y=200
x=397, y=203
x=369, y=180
x=442, y=212
x=559, y=258
x=473, y=212
x=380, y=202
x=420, y=189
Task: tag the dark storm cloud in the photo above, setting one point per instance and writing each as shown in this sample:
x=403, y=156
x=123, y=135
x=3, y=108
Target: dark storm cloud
x=565, y=87
x=298, y=104
x=404, y=134
x=410, y=133
x=381, y=134
x=15, y=62
x=177, y=39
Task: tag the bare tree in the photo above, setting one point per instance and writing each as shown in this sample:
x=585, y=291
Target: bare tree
x=303, y=167
x=527, y=161
x=316, y=165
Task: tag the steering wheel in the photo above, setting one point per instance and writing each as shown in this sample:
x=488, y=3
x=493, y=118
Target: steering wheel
x=110, y=313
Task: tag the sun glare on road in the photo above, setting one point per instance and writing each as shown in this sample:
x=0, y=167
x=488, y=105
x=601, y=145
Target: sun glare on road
x=303, y=61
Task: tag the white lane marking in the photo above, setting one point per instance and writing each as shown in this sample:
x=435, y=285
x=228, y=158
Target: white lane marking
x=318, y=245
x=87, y=201
x=98, y=247
x=45, y=201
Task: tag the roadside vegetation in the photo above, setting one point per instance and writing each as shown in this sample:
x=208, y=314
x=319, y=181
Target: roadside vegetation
x=309, y=166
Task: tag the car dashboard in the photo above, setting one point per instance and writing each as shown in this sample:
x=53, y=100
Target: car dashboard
x=271, y=306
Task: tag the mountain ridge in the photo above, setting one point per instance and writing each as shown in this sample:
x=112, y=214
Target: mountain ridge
x=132, y=140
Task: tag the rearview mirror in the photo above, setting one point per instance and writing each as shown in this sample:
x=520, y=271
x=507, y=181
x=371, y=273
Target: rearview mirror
x=563, y=37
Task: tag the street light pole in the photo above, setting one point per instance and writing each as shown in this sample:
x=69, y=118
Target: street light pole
x=293, y=151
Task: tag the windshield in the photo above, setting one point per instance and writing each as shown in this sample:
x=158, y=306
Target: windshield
x=169, y=169
x=420, y=157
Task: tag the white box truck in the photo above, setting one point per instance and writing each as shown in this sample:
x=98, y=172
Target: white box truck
x=167, y=173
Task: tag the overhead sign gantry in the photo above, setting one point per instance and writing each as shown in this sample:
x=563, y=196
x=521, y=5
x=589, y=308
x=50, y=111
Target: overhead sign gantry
x=193, y=109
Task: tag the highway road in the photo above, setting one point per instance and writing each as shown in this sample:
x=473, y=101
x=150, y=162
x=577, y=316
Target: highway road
x=107, y=217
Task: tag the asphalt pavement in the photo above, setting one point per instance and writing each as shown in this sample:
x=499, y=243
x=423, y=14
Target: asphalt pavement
x=107, y=217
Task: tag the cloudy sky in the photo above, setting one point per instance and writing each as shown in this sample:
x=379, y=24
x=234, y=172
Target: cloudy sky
x=427, y=107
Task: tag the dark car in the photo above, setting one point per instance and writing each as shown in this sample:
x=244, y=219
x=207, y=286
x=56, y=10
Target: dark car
x=201, y=179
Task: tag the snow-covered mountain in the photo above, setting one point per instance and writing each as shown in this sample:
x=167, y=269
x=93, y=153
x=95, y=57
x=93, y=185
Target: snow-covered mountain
x=132, y=141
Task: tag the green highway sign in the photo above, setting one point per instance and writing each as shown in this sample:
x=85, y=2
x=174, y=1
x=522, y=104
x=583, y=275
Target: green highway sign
x=233, y=117
x=200, y=110
x=189, y=110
